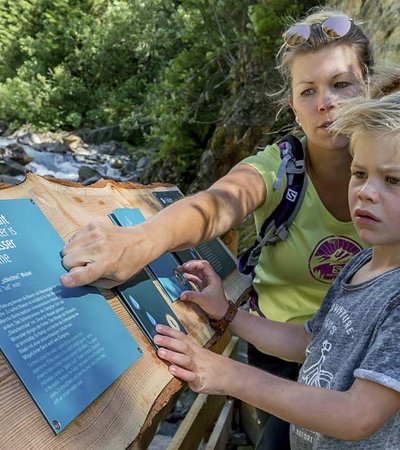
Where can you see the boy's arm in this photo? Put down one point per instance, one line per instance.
(351, 415)
(287, 341)
(111, 254)
(284, 340)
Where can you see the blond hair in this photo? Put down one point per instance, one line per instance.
(385, 81)
(369, 117)
(355, 38)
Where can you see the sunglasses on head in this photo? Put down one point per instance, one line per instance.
(334, 27)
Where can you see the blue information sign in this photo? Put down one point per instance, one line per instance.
(213, 251)
(66, 345)
(147, 306)
(163, 269)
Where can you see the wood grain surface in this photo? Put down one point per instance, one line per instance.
(122, 413)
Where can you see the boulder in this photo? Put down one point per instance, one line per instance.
(51, 147)
(86, 173)
(381, 21)
(16, 153)
(11, 168)
(73, 143)
(8, 180)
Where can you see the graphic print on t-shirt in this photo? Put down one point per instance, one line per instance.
(315, 375)
(329, 257)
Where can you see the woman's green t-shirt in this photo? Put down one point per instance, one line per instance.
(293, 276)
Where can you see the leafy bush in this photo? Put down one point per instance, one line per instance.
(167, 71)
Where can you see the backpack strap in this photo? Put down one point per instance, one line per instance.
(276, 226)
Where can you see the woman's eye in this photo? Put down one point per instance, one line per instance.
(307, 92)
(342, 84)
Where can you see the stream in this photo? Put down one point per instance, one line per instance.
(66, 165)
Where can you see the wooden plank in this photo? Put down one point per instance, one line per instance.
(122, 413)
(200, 418)
(220, 434)
(202, 415)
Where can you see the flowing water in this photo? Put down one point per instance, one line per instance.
(60, 165)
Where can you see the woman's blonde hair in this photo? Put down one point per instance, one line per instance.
(369, 117)
(355, 38)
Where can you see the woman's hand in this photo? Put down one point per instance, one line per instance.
(106, 255)
(211, 297)
(103, 255)
(202, 369)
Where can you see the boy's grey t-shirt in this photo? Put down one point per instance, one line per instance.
(355, 334)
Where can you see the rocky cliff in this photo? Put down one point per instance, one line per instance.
(381, 20)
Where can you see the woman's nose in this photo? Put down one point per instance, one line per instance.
(327, 101)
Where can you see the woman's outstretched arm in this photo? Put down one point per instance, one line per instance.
(106, 255)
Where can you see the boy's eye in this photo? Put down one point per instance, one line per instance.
(393, 180)
(359, 174)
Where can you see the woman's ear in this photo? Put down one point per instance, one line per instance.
(294, 112)
(290, 102)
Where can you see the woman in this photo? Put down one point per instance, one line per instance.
(348, 391)
(325, 59)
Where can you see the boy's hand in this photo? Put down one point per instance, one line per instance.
(211, 297)
(201, 368)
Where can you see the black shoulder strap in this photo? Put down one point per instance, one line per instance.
(276, 226)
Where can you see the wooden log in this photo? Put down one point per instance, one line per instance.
(119, 416)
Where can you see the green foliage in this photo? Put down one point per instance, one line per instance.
(167, 71)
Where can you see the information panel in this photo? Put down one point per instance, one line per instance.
(147, 306)
(60, 342)
(214, 252)
(164, 268)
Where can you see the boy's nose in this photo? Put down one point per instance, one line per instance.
(368, 192)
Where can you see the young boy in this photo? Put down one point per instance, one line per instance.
(348, 391)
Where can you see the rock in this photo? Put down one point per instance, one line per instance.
(134, 178)
(46, 141)
(100, 135)
(8, 180)
(160, 442)
(90, 159)
(87, 174)
(73, 142)
(168, 173)
(26, 138)
(110, 148)
(16, 153)
(228, 146)
(91, 180)
(128, 169)
(380, 20)
(9, 167)
(117, 163)
(51, 147)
